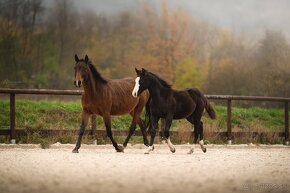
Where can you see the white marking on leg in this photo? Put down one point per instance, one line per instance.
(136, 87)
(170, 145)
(201, 143)
(150, 148)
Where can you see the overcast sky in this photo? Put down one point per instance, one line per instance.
(238, 15)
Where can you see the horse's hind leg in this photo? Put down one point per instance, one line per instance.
(198, 131)
(136, 119)
(131, 130)
(201, 143)
(168, 122)
(143, 131)
(85, 118)
(162, 130)
(195, 132)
(107, 121)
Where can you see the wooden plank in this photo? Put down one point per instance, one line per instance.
(41, 91)
(79, 92)
(124, 133)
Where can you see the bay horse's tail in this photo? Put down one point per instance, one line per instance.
(210, 110)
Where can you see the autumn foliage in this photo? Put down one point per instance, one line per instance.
(37, 46)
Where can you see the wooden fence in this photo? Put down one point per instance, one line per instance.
(229, 98)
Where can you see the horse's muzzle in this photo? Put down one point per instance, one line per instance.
(78, 83)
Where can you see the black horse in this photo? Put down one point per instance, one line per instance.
(172, 104)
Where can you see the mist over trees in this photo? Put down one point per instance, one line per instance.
(37, 48)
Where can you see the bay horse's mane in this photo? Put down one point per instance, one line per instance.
(162, 82)
(98, 77)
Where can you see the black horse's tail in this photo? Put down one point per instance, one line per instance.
(199, 97)
(210, 110)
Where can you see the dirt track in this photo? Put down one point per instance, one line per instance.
(27, 168)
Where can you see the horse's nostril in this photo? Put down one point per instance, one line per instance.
(77, 83)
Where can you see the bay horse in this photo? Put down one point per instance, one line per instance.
(106, 97)
(172, 104)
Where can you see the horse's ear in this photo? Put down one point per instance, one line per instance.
(76, 58)
(137, 71)
(144, 71)
(86, 59)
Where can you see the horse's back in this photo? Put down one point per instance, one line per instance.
(184, 104)
(196, 94)
(188, 100)
(123, 101)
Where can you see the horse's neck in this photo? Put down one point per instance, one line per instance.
(158, 92)
(91, 88)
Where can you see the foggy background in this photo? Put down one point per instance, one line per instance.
(222, 47)
(243, 16)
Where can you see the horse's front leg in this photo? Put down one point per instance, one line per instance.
(107, 121)
(153, 125)
(85, 118)
(168, 122)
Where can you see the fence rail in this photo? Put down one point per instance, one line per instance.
(94, 132)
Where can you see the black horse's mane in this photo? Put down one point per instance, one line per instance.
(98, 77)
(162, 82)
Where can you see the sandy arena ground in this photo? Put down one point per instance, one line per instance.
(236, 168)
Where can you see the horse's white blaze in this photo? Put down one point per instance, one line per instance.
(136, 87)
(170, 145)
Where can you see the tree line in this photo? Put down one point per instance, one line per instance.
(37, 47)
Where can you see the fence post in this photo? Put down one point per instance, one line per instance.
(12, 118)
(286, 123)
(94, 126)
(229, 121)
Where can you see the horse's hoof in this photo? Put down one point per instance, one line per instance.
(146, 143)
(150, 148)
(120, 149)
(75, 151)
(204, 150)
(172, 150)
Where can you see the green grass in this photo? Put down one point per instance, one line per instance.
(35, 115)
(246, 118)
